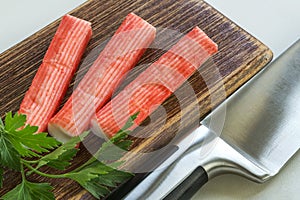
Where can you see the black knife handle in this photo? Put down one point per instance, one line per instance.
(187, 188)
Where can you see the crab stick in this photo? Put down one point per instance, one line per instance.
(56, 71)
(155, 84)
(97, 86)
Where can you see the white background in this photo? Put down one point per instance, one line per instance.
(274, 22)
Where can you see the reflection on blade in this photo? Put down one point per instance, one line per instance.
(263, 118)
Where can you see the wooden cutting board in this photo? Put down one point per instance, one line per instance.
(240, 56)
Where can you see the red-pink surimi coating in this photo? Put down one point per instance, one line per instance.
(56, 71)
(156, 83)
(96, 88)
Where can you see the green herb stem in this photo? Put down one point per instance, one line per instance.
(23, 172)
(30, 161)
(44, 174)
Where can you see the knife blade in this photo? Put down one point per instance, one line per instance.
(260, 134)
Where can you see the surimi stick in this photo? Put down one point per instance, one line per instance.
(96, 88)
(156, 83)
(56, 71)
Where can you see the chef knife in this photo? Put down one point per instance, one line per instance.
(260, 134)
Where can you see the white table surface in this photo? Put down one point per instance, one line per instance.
(274, 22)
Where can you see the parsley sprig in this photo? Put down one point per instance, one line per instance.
(22, 148)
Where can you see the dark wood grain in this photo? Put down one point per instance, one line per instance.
(240, 57)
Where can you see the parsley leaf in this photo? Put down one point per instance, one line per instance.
(89, 172)
(118, 145)
(25, 140)
(60, 158)
(30, 191)
(61, 161)
(98, 187)
(130, 121)
(112, 178)
(97, 177)
(113, 151)
(99, 184)
(15, 122)
(18, 141)
(9, 157)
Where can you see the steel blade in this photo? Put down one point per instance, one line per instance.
(263, 117)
